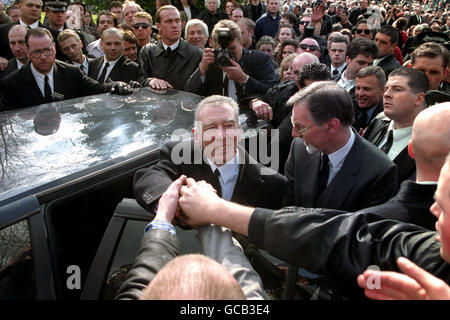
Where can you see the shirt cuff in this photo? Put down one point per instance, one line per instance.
(161, 225)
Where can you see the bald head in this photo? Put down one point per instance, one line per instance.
(304, 58)
(431, 141)
(193, 277)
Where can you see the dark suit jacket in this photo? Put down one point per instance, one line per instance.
(20, 89)
(175, 69)
(12, 66)
(256, 64)
(252, 188)
(158, 247)
(124, 70)
(389, 64)
(367, 178)
(5, 50)
(375, 133)
(410, 205)
(413, 20)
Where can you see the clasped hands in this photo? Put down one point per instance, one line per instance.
(190, 202)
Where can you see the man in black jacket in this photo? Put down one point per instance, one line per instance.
(113, 65)
(387, 39)
(339, 244)
(170, 62)
(404, 99)
(46, 79)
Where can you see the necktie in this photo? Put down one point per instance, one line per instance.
(82, 68)
(225, 86)
(47, 90)
(103, 75)
(363, 118)
(216, 183)
(335, 72)
(324, 173)
(168, 51)
(387, 146)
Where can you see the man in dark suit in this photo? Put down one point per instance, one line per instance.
(16, 38)
(214, 156)
(370, 82)
(386, 40)
(30, 14)
(46, 79)
(331, 166)
(113, 65)
(416, 18)
(170, 62)
(248, 73)
(403, 100)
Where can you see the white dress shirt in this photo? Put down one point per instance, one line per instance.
(345, 83)
(112, 63)
(31, 26)
(40, 79)
(229, 173)
(400, 140)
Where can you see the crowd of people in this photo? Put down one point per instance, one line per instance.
(356, 95)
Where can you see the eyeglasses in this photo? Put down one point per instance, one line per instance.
(299, 131)
(311, 47)
(143, 25)
(37, 53)
(359, 31)
(304, 22)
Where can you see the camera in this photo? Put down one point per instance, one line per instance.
(224, 55)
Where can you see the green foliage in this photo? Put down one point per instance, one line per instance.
(147, 5)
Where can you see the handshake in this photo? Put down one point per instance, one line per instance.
(190, 202)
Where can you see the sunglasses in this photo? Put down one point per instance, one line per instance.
(311, 47)
(143, 25)
(359, 31)
(304, 22)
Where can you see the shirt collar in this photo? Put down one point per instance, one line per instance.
(112, 62)
(337, 157)
(32, 26)
(339, 69)
(400, 133)
(173, 47)
(228, 170)
(40, 76)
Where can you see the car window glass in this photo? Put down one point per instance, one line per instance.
(17, 279)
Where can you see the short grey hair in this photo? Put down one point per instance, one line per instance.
(196, 22)
(216, 100)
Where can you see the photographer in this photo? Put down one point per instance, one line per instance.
(230, 69)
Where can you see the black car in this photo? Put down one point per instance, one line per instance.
(65, 178)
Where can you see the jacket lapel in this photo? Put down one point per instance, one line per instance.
(34, 92)
(249, 184)
(340, 187)
(306, 183)
(115, 72)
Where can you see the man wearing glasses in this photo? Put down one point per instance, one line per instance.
(46, 79)
(142, 28)
(309, 45)
(331, 166)
(364, 30)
